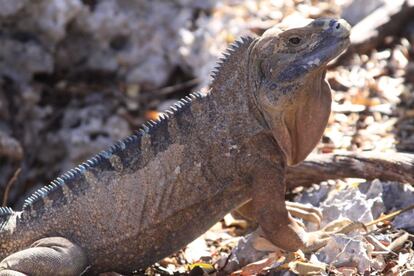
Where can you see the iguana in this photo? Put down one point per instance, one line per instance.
(158, 189)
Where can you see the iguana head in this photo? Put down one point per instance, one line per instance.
(288, 70)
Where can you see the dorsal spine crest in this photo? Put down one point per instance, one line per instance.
(95, 161)
(231, 51)
(5, 211)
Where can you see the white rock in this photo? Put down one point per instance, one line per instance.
(350, 251)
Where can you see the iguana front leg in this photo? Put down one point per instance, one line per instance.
(268, 199)
(47, 256)
(269, 208)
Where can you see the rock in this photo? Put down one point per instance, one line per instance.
(245, 252)
(9, 8)
(387, 19)
(396, 197)
(353, 204)
(136, 41)
(87, 130)
(21, 60)
(314, 195)
(357, 10)
(348, 251)
(364, 203)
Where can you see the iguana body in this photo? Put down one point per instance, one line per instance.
(157, 190)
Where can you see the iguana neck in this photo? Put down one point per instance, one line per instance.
(230, 77)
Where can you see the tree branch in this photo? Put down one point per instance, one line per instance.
(393, 166)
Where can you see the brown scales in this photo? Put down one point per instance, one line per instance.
(100, 161)
(155, 191)
(221, 71)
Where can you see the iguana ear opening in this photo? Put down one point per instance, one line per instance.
(304, 123)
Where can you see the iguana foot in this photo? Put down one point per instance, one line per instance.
(313, 241)
(305, 212)
(48, 256)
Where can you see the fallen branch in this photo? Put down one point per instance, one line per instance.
(390, 216)
(10, 147)
(8, 186)
(368, 165)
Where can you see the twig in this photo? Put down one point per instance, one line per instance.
(8, 186)
(171, 89)
(393, 166)
(389, 216)
(398, 242)
(355, 225)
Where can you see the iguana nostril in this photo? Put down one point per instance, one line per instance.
(341, 28)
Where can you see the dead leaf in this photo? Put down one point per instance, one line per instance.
(305, 268)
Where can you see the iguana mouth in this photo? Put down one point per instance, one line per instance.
(324, 53)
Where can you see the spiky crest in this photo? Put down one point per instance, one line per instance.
(5, 213)
(232, 54)
(35, 201)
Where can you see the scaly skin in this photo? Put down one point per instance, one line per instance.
(157, 190)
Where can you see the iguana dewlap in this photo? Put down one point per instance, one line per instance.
(157, 190)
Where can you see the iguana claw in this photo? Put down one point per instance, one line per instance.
(305, 212)
(315, 240)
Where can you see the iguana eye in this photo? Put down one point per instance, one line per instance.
(294, 40)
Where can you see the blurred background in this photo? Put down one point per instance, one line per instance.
(77, 75)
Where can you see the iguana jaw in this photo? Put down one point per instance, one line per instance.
(292, 94)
